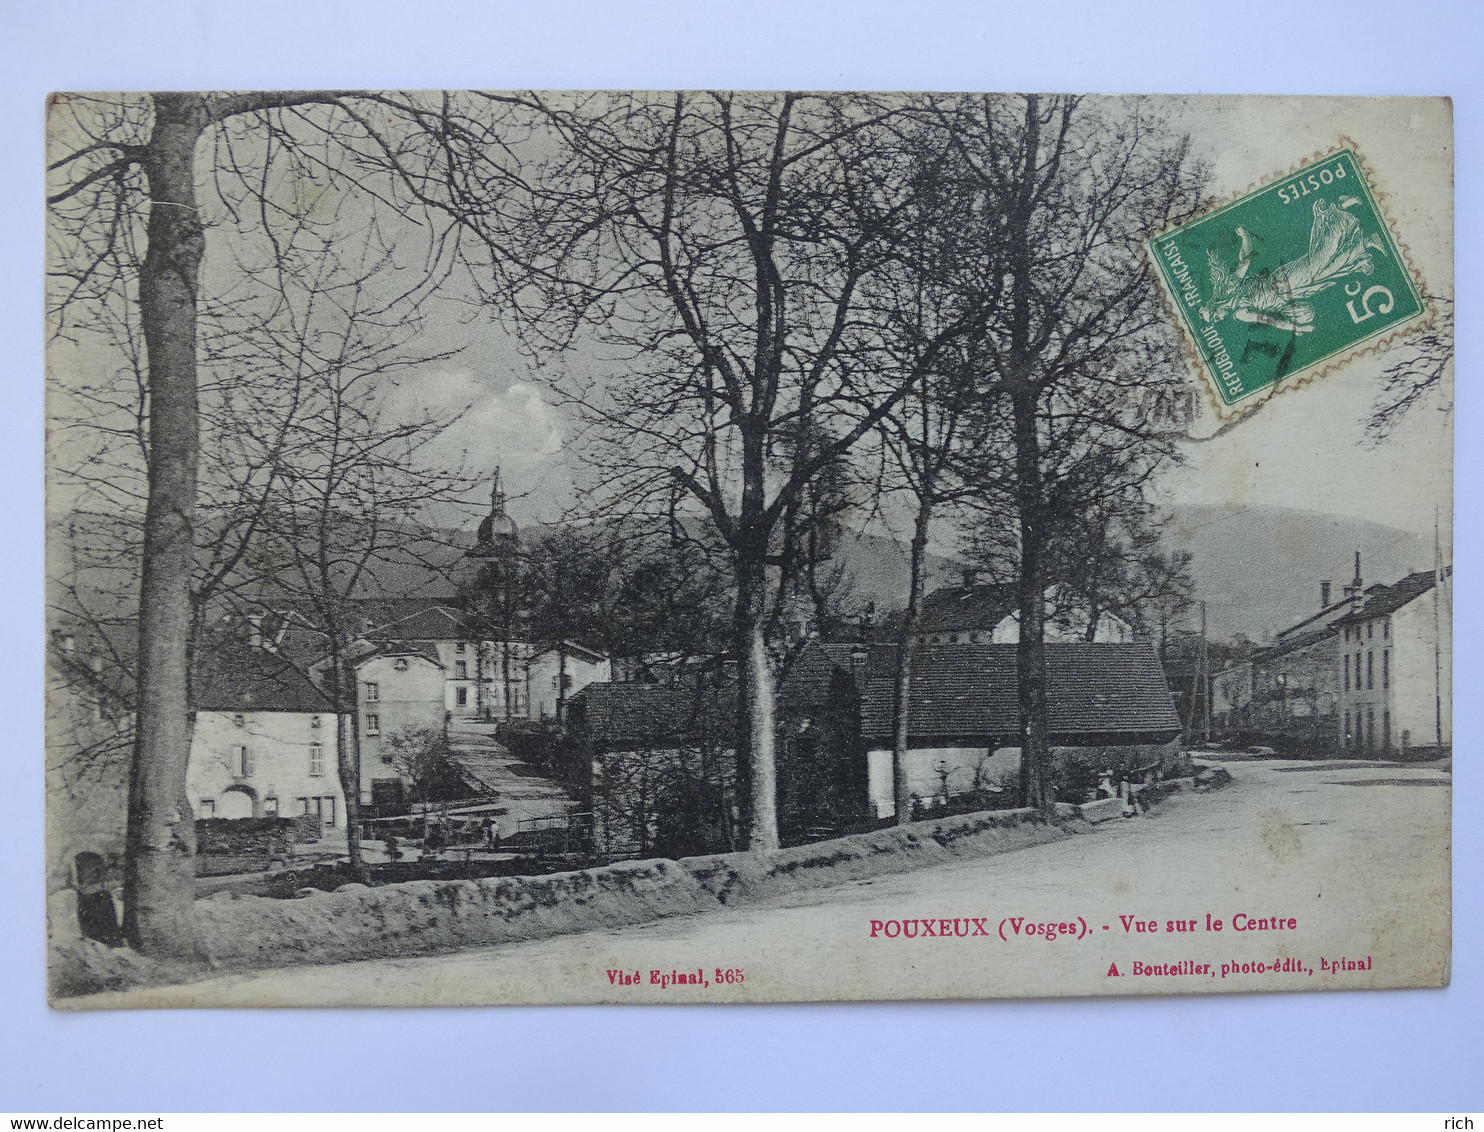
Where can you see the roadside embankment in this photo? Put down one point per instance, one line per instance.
(421, 917)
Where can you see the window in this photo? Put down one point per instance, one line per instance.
(373, 692)
(1370, 630)
(244, 762)
(314, 722)
(400, 664)
(1386, 669)
(270, 807)
(1370, 728)
(1386, 629)
(1370, 670)
(316, 759)
(1347, 675)
(459, 648)
(207, 808)
(304, 806)
(461, 670)
(239, 721)
(326, 808)
(373, 725)
(1386, 730)
(461, 696)
(1345, 739)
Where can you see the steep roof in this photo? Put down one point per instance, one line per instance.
(1381, 600)
(626, 716)
(952, 608)
(968, 692)
(430, 623)
(806, 684)
(239, 678)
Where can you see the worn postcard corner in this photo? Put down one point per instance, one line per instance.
(612, 546)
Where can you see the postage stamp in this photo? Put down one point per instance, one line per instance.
(1288, 280)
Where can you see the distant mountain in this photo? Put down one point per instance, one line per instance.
(1258, 568)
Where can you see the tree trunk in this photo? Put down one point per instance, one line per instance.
(757, 785)
(561, 700)
(348, 757)
(901, 698)
(160, 844)
(1037, 789)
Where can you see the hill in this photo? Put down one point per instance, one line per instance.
(1259, 568)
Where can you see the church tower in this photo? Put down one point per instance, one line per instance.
(498, 537)
(495, 603)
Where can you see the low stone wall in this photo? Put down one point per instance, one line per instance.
(419, 917)
(739, 878)
(357, 922)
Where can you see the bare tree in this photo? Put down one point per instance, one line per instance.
(356, 504)
(713, 248)
(1067, 189)
(132, 203)
(1417, 375)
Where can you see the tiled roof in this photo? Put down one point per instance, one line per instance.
(806, 684)
(967, 692)
(628, 716)
(431, 623)
(239, 678)
(966, 607)
(1381, 600)
(1294, 644)
(422, 649)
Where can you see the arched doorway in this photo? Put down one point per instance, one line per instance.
(238, 802)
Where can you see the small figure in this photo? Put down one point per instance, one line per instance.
(393, 851)
(433, 842)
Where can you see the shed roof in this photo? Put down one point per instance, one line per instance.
(968, 692)
(626, 716)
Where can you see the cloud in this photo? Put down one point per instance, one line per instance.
(514, 425)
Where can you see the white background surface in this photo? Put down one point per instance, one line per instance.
(1366, 1051)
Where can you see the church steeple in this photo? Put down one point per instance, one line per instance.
(497, 497)
(498, 536)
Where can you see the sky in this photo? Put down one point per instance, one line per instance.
(1307, 449)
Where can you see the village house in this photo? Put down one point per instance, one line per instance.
(1107, 703)
(1396, 673)
(264, 738)
(988, 613)
(1368, 673)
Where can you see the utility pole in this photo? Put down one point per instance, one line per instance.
(1437, 631)
(1203, 660)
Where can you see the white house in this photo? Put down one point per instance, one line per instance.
(559, 673)
(1396, 672)
(264, 740)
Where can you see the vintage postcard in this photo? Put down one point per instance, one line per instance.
(693, 547)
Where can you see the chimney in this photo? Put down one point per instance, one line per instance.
(858, 656)
(1323, 595)
(1356, 586)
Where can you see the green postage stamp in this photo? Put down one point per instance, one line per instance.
(1288, 279)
